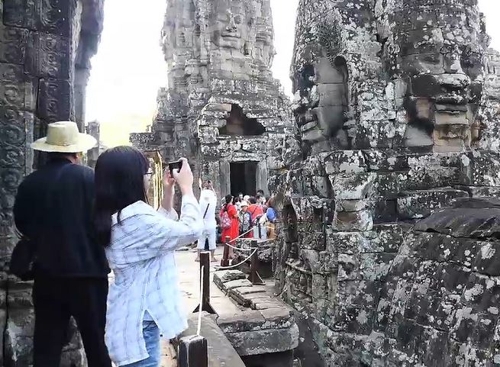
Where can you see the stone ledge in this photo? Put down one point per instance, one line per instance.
(254, 320)
(244, 295)
(267, 325)
(222, 277)
(265, 341)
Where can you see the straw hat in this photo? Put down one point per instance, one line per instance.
(64, 137)
(243, 203)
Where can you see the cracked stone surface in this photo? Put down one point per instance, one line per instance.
(264, 326)
(222, 104)
(45, 52)
(397, 107)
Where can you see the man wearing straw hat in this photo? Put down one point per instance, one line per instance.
(53, 211)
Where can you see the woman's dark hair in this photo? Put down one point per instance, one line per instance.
(228, 199)
(119, 182)
(252, 200)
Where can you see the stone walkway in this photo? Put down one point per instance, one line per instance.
(189, 284)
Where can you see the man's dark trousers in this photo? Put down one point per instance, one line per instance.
(56, 300)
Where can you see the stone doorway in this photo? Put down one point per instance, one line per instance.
(243, 178)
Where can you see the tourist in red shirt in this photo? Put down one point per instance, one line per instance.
(229, 222)
(256, 210)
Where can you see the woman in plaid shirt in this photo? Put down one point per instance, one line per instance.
(144, 300)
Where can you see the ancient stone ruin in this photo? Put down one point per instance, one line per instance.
(45, 51)
(397, 106)
(388, 243)
(222, 108)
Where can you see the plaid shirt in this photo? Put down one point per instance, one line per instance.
(141, 255)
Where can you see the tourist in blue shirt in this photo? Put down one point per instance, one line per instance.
(271, 216)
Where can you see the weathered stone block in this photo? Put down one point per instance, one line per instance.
(353, 187)
(277, 317)
(385, 160)
(439, 170)
(384, 210)
(375, 266)
(420, 204)
(387, 185)
(53, 16)
(353, 221)
(54, 100)
(225, 276)
(13, 44)
(264, 304)
(346, 242)
(481, 191)
(236, 284)
(345, 161)
(265, 341)
(310, 237)
(244, 321)
(243, 295)
(48, 56)
(483, 168)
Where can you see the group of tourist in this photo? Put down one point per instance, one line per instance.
(240, 216)
(75, 224)
(247, 217)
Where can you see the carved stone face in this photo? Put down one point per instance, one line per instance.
(229, 26)
(243, 27)
(440, 57)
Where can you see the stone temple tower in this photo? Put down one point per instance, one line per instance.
(221, 108)
(397, 106)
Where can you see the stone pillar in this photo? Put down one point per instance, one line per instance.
(39, 40)
(93, 128)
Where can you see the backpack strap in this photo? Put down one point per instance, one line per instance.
(206, 210)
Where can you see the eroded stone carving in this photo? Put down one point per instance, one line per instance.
(222, 105)
(419, 131)
(441, 62)
(42, 44)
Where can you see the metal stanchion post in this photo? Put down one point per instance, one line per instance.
(205, 278)
(254, 276)
(225, 256)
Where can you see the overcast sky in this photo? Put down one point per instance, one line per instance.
(129, 67)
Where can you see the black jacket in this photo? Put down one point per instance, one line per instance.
(53, 209)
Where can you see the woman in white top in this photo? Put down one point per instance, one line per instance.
(144, 300)
(208, 202)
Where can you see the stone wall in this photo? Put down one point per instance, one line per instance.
(397, 106)
(222, 104)
(45, 51)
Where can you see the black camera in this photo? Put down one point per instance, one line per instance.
(174, 165)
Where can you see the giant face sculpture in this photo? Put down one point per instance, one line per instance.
(240, 30)
(439, 55)
(321, 85)
(229, 30)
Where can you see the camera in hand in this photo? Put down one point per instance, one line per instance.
(175, 165)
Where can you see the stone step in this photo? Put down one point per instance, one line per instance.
(221, 277)
(244, 295)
